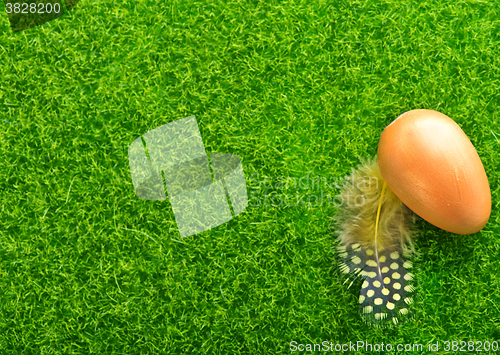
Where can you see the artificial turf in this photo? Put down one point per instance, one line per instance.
(295, 89)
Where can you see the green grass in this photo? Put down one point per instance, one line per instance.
(291, 87)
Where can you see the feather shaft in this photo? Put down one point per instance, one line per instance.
(376, 226)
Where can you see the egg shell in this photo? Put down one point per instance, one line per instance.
(431, 165)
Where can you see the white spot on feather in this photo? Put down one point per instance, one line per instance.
(408, 276)
(407, 265)
(379, 316)
(394, 255)
(356, 260)
(371, 263)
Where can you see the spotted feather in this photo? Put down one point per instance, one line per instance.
(375, 245)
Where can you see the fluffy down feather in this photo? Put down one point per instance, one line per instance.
(375, 242)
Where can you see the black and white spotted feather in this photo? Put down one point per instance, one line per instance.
(375, 244)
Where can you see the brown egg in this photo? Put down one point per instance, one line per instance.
(431, 165)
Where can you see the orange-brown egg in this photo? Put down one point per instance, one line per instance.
(431, 165)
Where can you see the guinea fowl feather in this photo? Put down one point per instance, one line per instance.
(375, 242)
